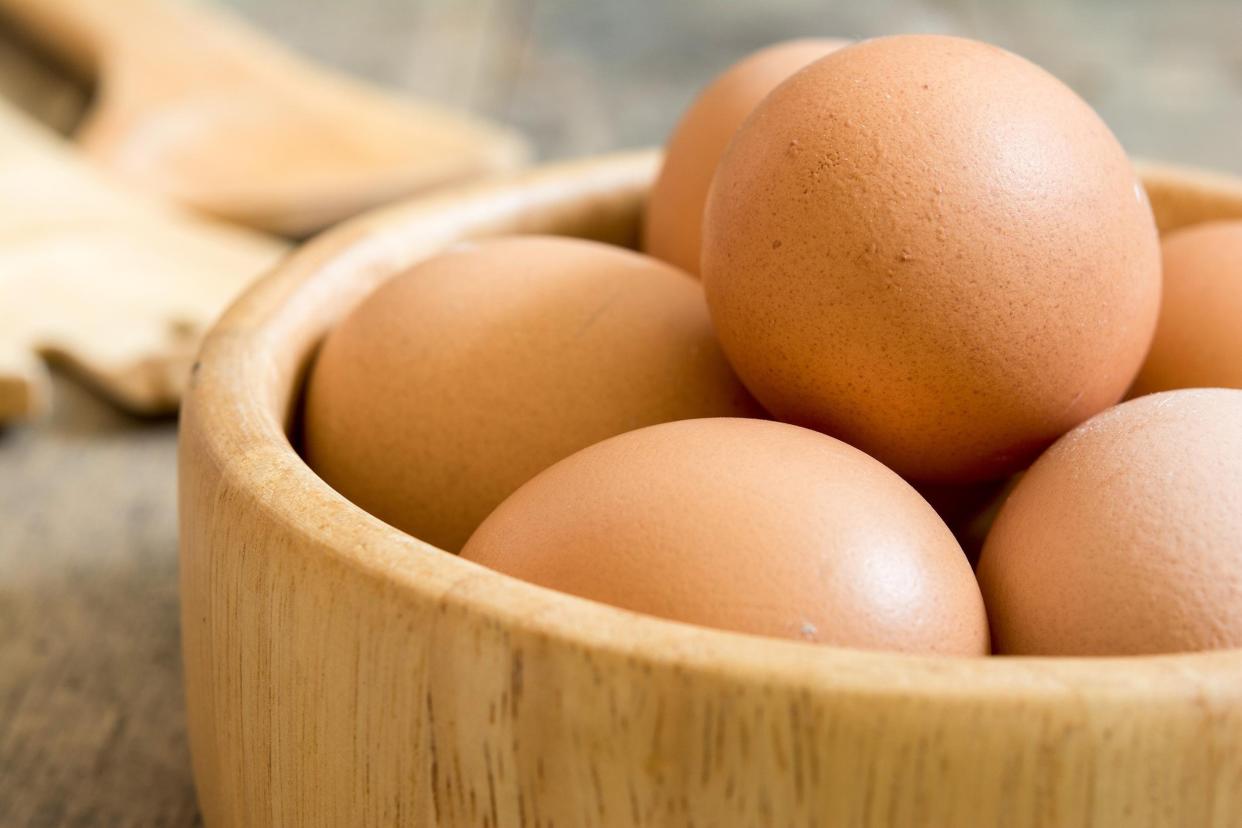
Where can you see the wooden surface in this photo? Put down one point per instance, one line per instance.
(114, 285)
(193, 105)
(90, 676)
(91, 716)
(341, 672)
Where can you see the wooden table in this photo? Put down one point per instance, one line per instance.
(91, 728)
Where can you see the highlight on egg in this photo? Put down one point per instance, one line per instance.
(1126, 536)
(744, 525)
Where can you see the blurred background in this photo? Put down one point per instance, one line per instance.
(91, 729)
(583, 77)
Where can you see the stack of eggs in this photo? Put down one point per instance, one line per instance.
(908, 269)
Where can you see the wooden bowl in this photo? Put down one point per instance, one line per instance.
(340, 672)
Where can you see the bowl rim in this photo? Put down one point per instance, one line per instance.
(245, 387)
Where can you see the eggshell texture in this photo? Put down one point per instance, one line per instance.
(1198, 340)
(934, 250)
(458, 381)
(1126, 536)
(744, 525)
(673, 221)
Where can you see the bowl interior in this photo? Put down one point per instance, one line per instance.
(255, 364)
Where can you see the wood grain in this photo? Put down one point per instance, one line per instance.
(91, 711)
(87, 533)
(339, 671)
(194, 106)
(117, 287)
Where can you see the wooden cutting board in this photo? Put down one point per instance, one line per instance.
(117, 288)
(192, 104)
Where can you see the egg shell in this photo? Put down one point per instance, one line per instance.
(1126, 536)
(456, 382)
(1198, 342)
(673, 220)
(745, 525)
(934, 250)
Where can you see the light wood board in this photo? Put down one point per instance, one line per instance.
(117, 288)
(193, 105)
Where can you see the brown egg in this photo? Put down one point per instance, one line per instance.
(745, 525)
(455, 383)
(673, 222)
(1198, 340)
(932, 249)
(1126, 536)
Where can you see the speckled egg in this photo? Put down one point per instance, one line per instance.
(459, 380)
(745, 525)
(934, 250)
(1126, 536)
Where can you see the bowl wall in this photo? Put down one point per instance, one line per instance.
(339, 672)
